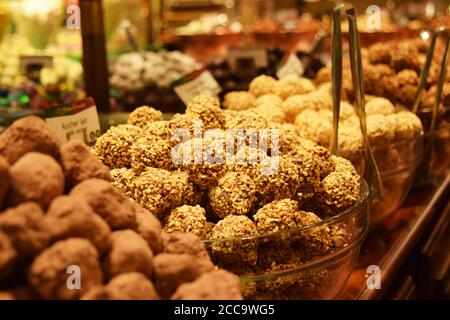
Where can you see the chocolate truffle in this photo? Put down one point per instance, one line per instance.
(149, 228)
(35, 177)
(187, 219)
(262, 85)
(50, 272)
(26, 135)
(292, 85)
(8, 256)
(144, 115)
(4, 178)
(108, 202)
(184, 243)
(131, 286)
(208, 110)
(151, 151)
(239, 100)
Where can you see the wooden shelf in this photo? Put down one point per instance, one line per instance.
(392, 244)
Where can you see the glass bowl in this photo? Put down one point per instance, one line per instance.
(312, 262)
(397, 163)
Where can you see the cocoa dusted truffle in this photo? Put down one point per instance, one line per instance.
(214, 285)
(4, 178)
(26, 227)
(150, 151)
(144, 115)
(208, 110)
(184, 243)
(187, 219)
(125, 286)
(35, 177)
(26, 135)
(149, 228)
(172, 270)
(235, 226)
(234, 194)
(114, 147)
(262, 85)
(8, 256)
(49, 274)
(79, 164)
(129, 253)
(69, 217)
(239, 100)
(107, 202)
(293, 85)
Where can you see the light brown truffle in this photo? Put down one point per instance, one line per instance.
(151, 151)
(262, 85)
(149, 228)
(187, 219)
(405, 125)
(214, 285)
(4, 178)
(379, 130)
(208, 110)
(69, 217)
(271, 113)
(379, 105)
(108, 202)
(8, 256)
(158, 191)
(26, 135)
(129, 253)
(26, 227)
(238, 251)
(184, 243)
(234, 194)
(114, 147)
(158, 129)
(35, 177)
(172, 270)
(277, 216)
(185, 127)
(144, 115)
(269, 99)
(239, 100)
(314, 126)
(123, 179)
(50, 271)
(293, 85)
(79, 164)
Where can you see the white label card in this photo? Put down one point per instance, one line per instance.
(202, 84)
(83, 125)
(292, 66)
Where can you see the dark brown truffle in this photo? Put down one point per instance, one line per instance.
(8, 256)
(171, 270)
(215, 285)
(79, 164)
(35, 177)
(149, 227)
(72, 217)
(26, 135)
(27, 229)
(49, 273)
(4, 178)
(184, 243)
(107, 202)
(129, 253)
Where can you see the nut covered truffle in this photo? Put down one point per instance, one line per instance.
(144, 115)
(262, 85)
(187, 219)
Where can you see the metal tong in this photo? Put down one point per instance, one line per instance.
(426, 163)
(371, 173)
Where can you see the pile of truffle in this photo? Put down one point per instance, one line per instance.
(67, 233)
(309, 113)
(225, 202)
(392, 70)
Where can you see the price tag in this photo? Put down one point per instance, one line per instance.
(291, 65)
(78, 120)
(200, 82)
(42, 61)
(258, 55)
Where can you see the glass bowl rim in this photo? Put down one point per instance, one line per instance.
(364, 197)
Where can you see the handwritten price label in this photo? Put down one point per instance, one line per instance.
(200, 82)
(75, 121)
(292, 66)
